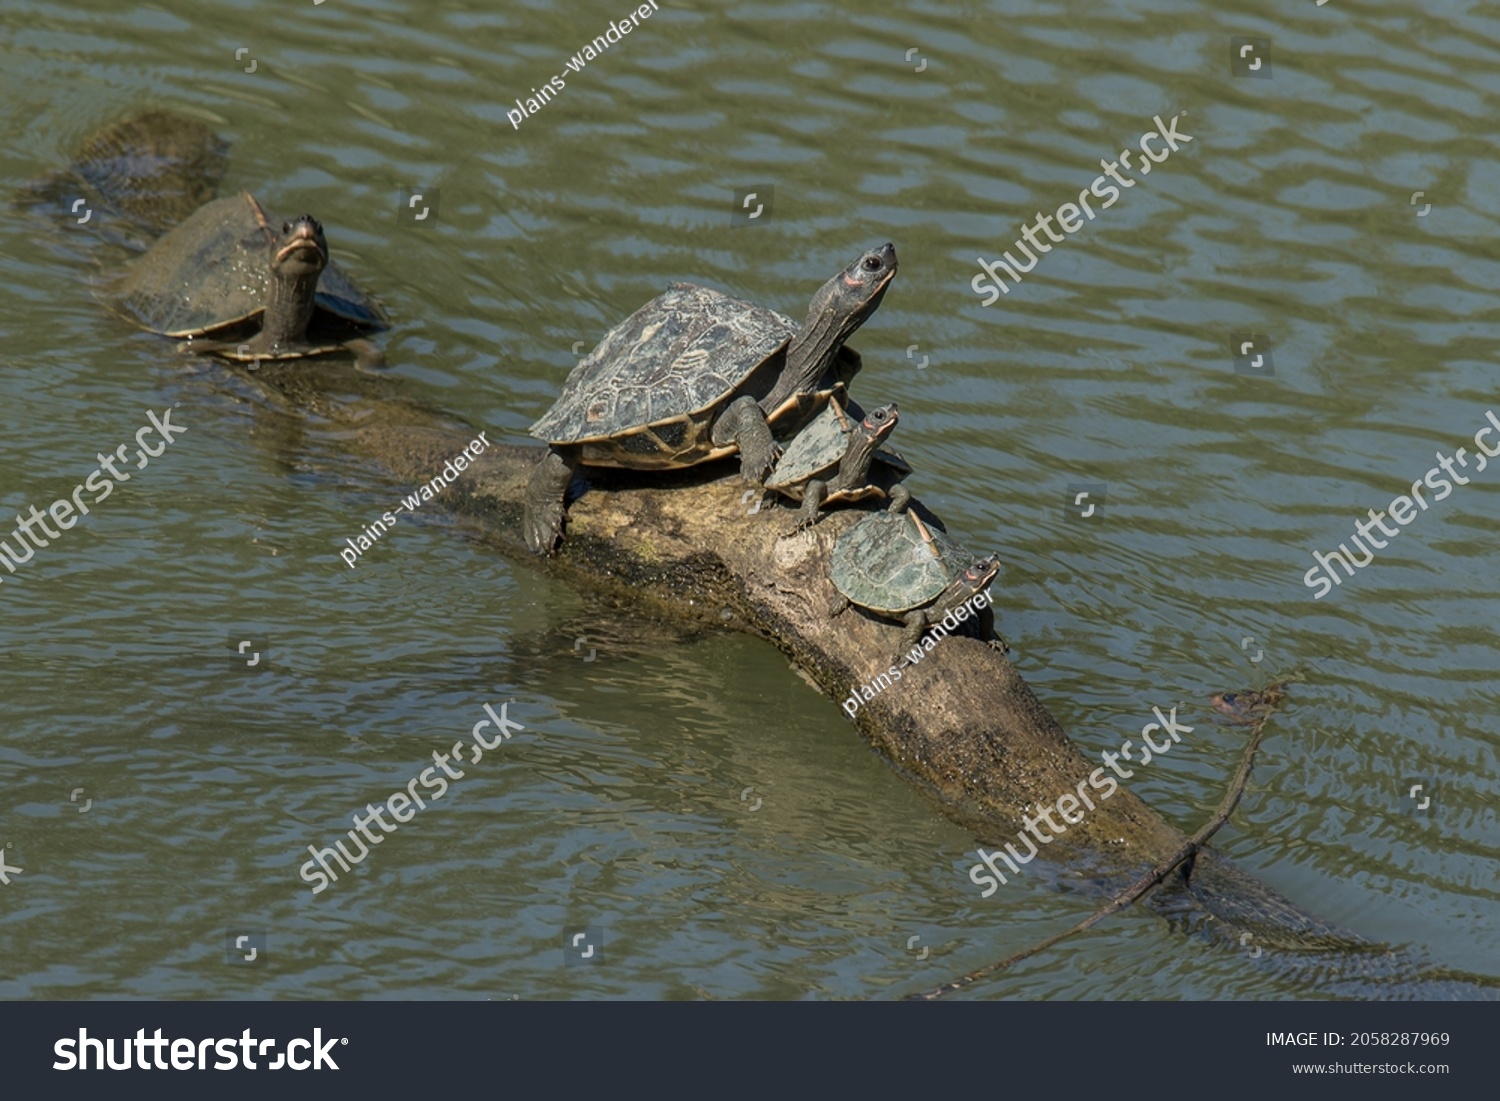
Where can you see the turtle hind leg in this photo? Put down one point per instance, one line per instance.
(900, 498)
(743, 424)
(546, 498)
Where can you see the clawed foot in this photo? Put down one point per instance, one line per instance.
(999, 643)
(367, 356)
(756, 473)
(543, 527)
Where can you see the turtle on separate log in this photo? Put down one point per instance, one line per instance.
(836, 459)
(897, 567)
(228, 275)
(694, 375)
(133, 180)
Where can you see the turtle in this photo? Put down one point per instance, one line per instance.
(228, 275)
(694, 375)
(836, 459)
(135, 179)
(897, 567)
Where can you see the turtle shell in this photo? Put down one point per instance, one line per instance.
(883, 563)
(213, 271)
(818, 449)
(645, 396)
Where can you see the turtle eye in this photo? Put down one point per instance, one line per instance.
(872, 263)
(286, 227)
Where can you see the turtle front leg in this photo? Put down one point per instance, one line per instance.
(251, 351)
(743, 424)
(546, 497)
(367, 357)
(900, 498)
(994, 638)
(246, 351)
(916, 625)
(812, 501)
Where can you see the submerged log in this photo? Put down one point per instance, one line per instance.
(962, 725)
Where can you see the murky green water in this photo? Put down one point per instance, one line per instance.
(691, 795)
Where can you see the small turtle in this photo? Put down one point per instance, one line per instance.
(898, 568)
(834, 459)
(228, 275)
(694, 375)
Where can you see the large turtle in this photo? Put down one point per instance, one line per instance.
(695, 375)
(837, 458)
(897, 567)
(233, 284)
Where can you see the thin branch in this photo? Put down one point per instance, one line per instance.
(1251, 709)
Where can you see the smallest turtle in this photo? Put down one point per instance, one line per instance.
(836, 459)
(898, 568)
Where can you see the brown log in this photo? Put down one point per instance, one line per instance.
(962, 726)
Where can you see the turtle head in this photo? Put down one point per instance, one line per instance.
(841, 306)
(846, 301)
(858, 289)
(981, 572)
(880, 423)
(864, 441)
(301, 249)
(297, 260)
